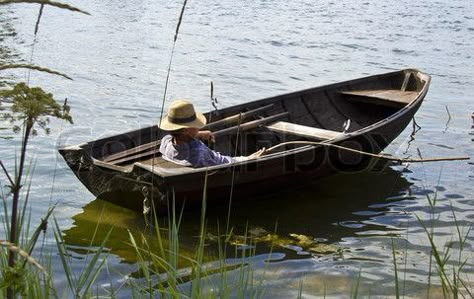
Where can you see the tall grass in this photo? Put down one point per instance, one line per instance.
(166, 273)
(449, 270)
(27, 109)
(27, 275)
(449, 266)
(80, 283)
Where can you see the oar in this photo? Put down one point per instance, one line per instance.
(250, 125)
(150, 148)
(225, 121)
(132, 150)
(235, 118)
(382, 156)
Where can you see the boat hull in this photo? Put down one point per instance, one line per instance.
(141, 187)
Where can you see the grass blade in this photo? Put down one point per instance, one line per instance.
(397, 287)
(33, 67)
(46, 2)
(93, 270)
(71, 280)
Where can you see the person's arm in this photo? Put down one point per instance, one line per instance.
(255, 155)
(206, 135)
(204, 156)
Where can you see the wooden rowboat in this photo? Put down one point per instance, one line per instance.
(365, 114)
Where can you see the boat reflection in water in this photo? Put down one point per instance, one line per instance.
(328, 209)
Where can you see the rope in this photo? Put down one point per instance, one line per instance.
(382, 156)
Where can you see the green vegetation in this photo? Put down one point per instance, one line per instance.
(449, 264)
(29, 107)
(450, 273)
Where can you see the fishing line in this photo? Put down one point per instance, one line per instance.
(233, 175)
(166, 88)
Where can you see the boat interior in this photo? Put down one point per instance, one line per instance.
(322, 114)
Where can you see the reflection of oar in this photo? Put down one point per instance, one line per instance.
(235, 118)
(381, 156)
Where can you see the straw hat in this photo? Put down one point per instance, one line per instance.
(181, 114)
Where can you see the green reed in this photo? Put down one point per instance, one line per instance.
(80, 283)
(450, 269)
(397, 285)
(46, 2)
(27, 275)
(450, 272)
(164, 274)
(355, 289)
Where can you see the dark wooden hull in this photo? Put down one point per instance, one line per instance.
(376, 122)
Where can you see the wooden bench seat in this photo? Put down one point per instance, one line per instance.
(303, 131)
(386, 97)
(162, 163)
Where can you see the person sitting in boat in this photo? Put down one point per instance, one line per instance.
(183, 144)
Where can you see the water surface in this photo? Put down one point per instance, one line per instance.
(118, 58)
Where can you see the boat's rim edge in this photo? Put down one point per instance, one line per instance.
(293, 93)
(422, 93)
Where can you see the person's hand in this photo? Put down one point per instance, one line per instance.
(257, 154)
(206, 135)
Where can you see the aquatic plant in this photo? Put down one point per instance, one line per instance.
(450, 268)
(45, 2)
(450, 272)
(33, 67)
(26, 108)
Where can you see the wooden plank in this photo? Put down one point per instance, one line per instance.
(124, 169)
(132, 151)
(303, 131)
(405, 81)
(162, 163)
(135, 157)
(379, 96)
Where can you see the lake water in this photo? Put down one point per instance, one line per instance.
(119, 56)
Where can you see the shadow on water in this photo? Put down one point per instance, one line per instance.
(321, 209)
(328, 209)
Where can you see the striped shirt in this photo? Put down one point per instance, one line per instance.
(193, 153)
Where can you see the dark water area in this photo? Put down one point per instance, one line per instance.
(118, 58)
